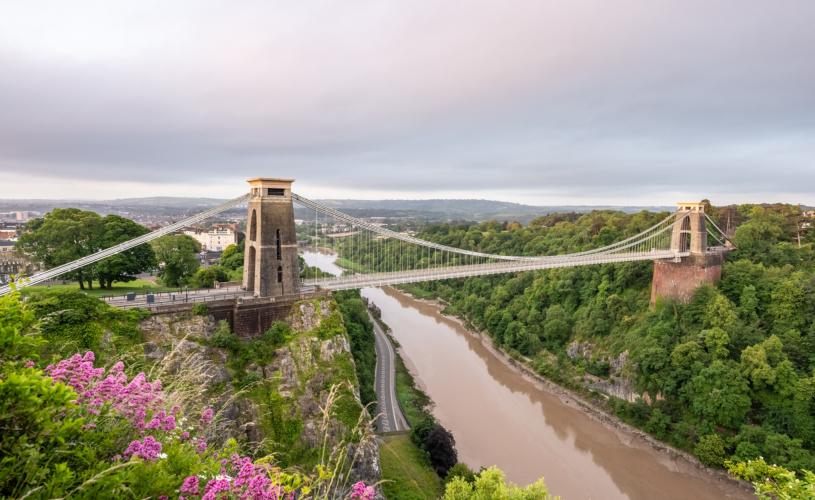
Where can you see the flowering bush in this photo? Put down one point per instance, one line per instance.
(75, 429)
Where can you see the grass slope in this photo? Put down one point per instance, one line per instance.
(405, 472)
(138, 286)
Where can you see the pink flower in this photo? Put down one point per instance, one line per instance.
(29, 364)
(132, 399)
(190, 486)
(214, 487)
(206, 416)
(148, 449)
(161, 421)
(363, 492)
(200, 444)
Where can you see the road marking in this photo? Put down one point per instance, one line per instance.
(390, 414)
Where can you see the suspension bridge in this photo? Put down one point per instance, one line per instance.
(379, 256)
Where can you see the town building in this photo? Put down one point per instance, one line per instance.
(215, 239)
(19, 215)
(8, 234)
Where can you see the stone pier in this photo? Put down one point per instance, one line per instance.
(679, 279)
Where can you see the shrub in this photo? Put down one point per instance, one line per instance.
(491, 483)
(200, 309)
(206, 277)
(224, 338)
(658, 423)
(420, 431)
(438, 443)
(441, 447)
(460, 470)
(711, 450)
(82, 431)
(771, 481)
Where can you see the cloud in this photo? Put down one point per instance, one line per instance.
(584, 101)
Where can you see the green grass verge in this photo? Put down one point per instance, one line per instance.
(417, 291)
(414, 402)
(138, 286)
(405, 472)
(350, 265)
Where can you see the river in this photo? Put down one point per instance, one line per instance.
(499, 417)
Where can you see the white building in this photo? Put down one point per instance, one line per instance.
(214, 240)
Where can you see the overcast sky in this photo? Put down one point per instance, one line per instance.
(535, 101)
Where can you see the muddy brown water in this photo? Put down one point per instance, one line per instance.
(499, 417)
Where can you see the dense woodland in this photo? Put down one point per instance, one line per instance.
(731, 375)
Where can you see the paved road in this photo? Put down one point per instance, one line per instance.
(390, 414)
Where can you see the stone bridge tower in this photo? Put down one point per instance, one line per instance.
(678, 279)
(270, 266)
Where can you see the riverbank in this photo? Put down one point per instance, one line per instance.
(592, 409)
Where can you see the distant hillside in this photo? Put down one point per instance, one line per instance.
(433, 210)
(440, 209)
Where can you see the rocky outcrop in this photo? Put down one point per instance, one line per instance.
(616, 384)
(303, 378)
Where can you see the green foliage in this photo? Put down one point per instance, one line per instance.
(177, 258)
(719, 394)
(406, 474)
(53, 445)
(126, 265)
(741, 353)
(711, 450)
(39, 422)
(460, 470)
(18, 341)
(330, 326)
(71, 321)
(232, 262)
(66, 234)
(232, 257)
(361, 336)
(200, 309)
(207, 276)
(491, 484)
(415, 404)
(772, 482)
(441, 449)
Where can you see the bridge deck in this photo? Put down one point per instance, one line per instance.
(414, 276)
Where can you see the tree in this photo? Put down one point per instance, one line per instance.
(755, 238)
(556, 329)
(232, 257)
(62, 236)
(206, 277)
(719, 394)
(123, 266)
(441, 446)
(716, 341)
(438, 442)
(711, 450)
(66, 234)
(177, 258)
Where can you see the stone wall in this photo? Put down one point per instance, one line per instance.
(679, 280)
(248, 317)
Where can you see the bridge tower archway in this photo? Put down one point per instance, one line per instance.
(678, 279)
(271, 267)
(689, 232)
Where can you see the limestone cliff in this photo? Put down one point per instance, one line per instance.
(292, 392)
